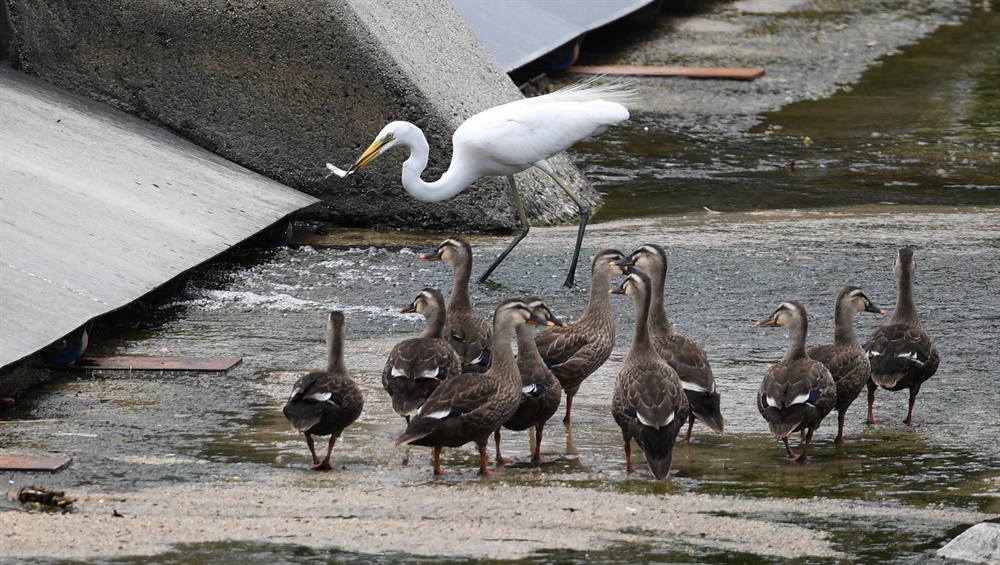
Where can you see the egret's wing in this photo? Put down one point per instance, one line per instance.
(519, 135)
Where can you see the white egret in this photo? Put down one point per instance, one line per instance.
(505, 140)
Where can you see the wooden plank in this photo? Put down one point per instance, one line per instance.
(690, 72)
(215, 364)
(29, 463)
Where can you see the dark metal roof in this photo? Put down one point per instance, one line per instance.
(519, 31)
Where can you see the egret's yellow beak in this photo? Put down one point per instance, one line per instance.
(369, 155)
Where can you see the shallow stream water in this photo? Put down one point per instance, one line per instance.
(871, 180)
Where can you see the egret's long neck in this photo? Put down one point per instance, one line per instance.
(453, 181)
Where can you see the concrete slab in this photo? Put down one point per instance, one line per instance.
(97, 208)
(283, 88)
(978, 544)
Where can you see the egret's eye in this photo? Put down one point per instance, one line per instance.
(389, 137)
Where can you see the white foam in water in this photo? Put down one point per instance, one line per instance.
(219, 299)
(336, 263)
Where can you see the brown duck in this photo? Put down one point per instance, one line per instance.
(574, 352)
(471, 406)
(845, 358)
(325, 402)
(540, 390)
(469, 334)
(417, 366)
(797, 392)
(649, 403)
(681, 352)
(901, 353)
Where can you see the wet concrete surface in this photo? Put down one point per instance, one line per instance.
(207, 461)
(199, 440)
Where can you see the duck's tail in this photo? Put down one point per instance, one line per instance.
(410, 436)
(660, 467)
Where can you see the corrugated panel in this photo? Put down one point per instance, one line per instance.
(519, 31)
(97, 208)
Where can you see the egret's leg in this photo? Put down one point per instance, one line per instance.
(584, 217)
(522, 218)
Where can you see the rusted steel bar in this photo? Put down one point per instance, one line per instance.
(216, 364)
(690, 72)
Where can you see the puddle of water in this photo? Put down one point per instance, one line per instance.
(275, 554)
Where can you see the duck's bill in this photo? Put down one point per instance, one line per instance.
(874, 309)
(431, 256)
(770, 322)
(624, 262)
(540, 321)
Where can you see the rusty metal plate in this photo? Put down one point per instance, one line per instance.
(29, 463)
(157, 363)
(689, 72)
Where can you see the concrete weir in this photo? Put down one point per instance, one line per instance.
(98, 208)
(284, 87)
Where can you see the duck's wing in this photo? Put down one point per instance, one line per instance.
(690, 362)
(900, 348)
(421, 358)
(313, 394)
(450, 407)
(840, 361)
(415, 368)
(795, 394)
(651, 395)
(471, 337)
(572, 352)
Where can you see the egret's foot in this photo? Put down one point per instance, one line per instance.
(322, 466)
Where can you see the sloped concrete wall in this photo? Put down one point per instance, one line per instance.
(282, 87)
(99, 208)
